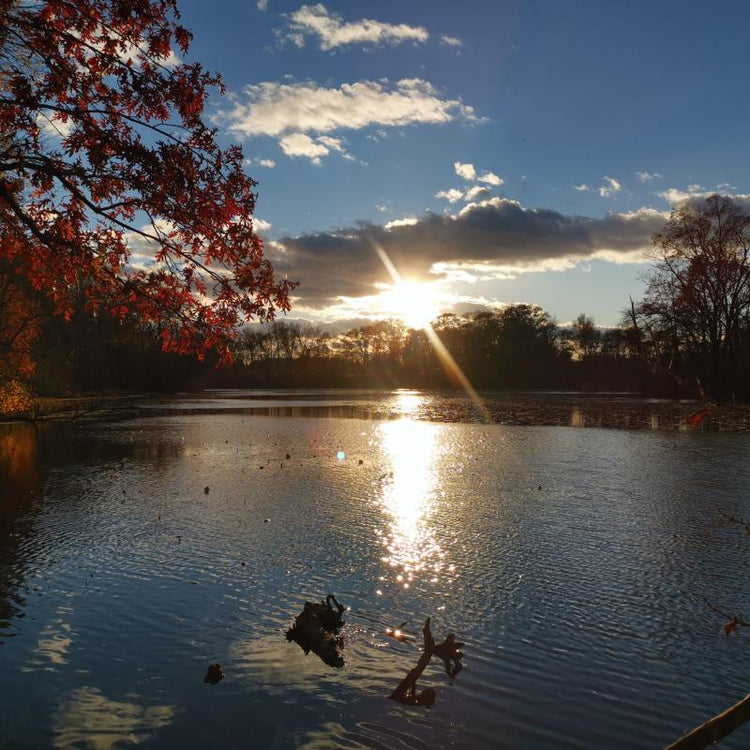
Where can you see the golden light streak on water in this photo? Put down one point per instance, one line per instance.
(414, 451)
(445, 357)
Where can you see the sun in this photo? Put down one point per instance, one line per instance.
(414, 303)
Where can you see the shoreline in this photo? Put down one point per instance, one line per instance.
(528, 408)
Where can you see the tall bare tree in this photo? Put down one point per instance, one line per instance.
(698, 295)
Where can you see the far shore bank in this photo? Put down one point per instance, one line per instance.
(527, 408)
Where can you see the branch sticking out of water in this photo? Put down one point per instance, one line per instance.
(448, 651)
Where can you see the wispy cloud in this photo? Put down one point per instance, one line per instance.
(332, 31)
(267, 163)
(451, 41)
(609, 187)
(582, 188)
(263, 5)
(287, 110)
(648, 176)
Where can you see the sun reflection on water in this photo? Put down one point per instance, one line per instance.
(409, 495)
(406, 402)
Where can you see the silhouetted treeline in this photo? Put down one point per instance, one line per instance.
(100, 353)
(518, 347)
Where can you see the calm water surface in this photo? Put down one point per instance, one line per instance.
(572, 562)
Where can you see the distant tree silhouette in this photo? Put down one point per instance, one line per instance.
(585, 336)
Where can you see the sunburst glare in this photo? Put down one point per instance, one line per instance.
(413, 303)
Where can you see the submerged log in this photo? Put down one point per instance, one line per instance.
(316, 629)
(715, 729)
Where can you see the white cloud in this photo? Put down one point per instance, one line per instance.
(452, 196)
(268, 163)
(332, 31)
(478, 191)
(466, 171)
(54, 127)
(490, 178)
(642, 214)
(132, 55)
(609, 187)
(260, 225)
(696, 194)
(334, 144)
(406, 221)
(301, 144)
(263, 5)
(282, 110)
(648, 176)
(725, 187)
(451, 41)
(582, 188)
(674, 195)
(135, 54)
(378, 135)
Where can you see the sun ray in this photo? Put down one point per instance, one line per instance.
(445, 357)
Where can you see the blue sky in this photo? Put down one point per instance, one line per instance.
(526, 151)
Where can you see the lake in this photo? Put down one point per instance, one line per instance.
(573, 563)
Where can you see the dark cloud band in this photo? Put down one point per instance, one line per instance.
(497, 232)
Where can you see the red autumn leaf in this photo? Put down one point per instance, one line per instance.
(697, 417)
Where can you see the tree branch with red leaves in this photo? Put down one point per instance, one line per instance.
(103, 153)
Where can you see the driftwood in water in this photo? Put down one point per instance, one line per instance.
(448, 651)
(316, 629)
(715, 729)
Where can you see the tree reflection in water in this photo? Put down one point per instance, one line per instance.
(19, 486)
